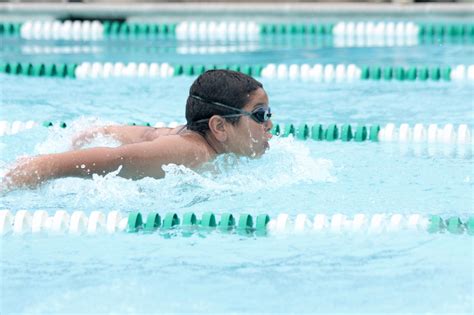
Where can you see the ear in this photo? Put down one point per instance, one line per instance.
(217, 126)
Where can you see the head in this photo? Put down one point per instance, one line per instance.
(226, 106)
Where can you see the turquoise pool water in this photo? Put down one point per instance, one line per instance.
(404, 272)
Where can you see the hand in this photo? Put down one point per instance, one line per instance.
(24, 173)
(79, 140)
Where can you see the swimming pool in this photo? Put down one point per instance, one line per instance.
(328, 266)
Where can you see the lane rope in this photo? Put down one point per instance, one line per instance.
(432, 134)
(97, 222)
(248, 30)
(305, 72)
(431, 140)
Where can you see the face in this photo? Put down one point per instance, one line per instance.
(248, 137)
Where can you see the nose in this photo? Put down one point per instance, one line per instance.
(268, 125)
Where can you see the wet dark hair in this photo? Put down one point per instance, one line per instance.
(223, 86)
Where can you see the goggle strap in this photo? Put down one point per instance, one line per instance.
(267, 114)
(216, 103)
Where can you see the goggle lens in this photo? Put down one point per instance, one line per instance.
(262, 115)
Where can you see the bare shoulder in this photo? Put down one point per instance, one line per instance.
(186, 144)
(187, 149)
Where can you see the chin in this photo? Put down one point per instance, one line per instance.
(255, 152)
(258, 154)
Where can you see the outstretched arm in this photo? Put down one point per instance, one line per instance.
(137, 160)
(33, 171)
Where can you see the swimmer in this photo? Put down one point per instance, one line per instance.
(226, 112)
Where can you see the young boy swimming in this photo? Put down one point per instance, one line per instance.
(226, 112)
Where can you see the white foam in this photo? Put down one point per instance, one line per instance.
(60, 139)
(288, 162)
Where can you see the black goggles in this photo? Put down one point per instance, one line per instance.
(259, 115)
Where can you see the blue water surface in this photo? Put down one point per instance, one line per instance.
(399, 272)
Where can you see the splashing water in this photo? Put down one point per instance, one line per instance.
(287, 163)
(60, 140)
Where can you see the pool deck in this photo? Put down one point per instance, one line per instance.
(202, 9)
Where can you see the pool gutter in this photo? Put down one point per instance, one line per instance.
(146, 10)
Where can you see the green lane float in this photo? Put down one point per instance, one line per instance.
(331, 133)
(189, 224)
(374, 133)
(261, 224)
(287, 130)
(436, 224)
(346, 133)
(455, 225)
(170, 221)
(48, 124)
(189, 219)
(470, 226)
(361, 134)
(302, 132)
(245, 224)
(208, 220)
(10, 28)
(52, 70)
(227, 222)
(23, 221)
(153, 222)
(317, 132)
(135, 222)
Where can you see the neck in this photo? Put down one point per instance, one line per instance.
(215, 145)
